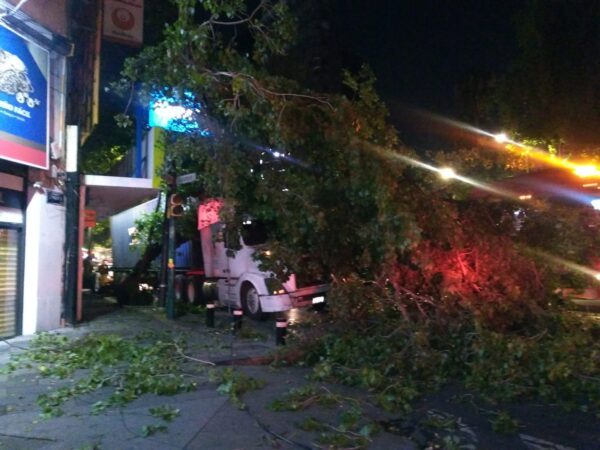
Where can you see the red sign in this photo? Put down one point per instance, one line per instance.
(89, 218)
(208, 213)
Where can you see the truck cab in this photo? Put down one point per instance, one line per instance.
(234, 279)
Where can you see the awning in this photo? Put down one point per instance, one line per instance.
(111, 195)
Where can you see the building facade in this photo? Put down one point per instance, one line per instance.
(34, 49)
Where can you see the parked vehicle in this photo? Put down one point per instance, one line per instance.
(209, 270)
(234, 278)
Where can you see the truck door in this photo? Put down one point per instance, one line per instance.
(220, 262)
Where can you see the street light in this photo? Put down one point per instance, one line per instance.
(501, 138)
(586, 171)
(447, 173)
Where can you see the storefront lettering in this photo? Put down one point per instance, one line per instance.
(16, 109)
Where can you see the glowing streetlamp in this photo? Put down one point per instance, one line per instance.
(447, 173)
(501, 138)
(586, 171)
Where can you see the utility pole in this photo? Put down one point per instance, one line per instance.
(171, 268)
(164, 253)
(174, 209)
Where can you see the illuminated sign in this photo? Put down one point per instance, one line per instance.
(171, 117)
(24, 69)
(170, 114)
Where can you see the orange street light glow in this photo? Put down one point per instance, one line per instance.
(582, 170)
(501, 138)
(506, 143)
(586, 171)
(445, 173)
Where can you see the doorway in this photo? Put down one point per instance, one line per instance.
(9, 280)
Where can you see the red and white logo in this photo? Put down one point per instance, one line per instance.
(124, 21)
(123, 18)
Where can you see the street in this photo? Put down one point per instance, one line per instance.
(208, 419)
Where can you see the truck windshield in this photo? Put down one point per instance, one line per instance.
(254, 233)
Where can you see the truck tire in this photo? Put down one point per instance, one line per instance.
(251, 302)
(180, 291)
(194, 290)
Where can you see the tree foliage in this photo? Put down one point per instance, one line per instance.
(549, 91)
(294, 158)
(328, 175)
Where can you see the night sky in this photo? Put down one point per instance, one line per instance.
(421, 50)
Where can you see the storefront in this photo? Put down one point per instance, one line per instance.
(11, 253)
(33, 53)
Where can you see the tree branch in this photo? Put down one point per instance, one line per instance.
(180, 351)
(260, 6)
(261, 90)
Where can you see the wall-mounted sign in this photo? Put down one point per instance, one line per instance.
(124, 21)
(24, 69)
(173, 117)
(187, 178)
(89, 218)
(174, 114)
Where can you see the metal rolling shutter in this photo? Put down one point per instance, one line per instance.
(9, 251)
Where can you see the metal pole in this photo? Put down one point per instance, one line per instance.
(164, 258)
(171, 270)
(210, 315)
(80, 222)
(281, 324)
(236, 321)
(71, 247)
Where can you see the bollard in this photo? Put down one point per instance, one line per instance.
(210, 315)
(280, 330)
(238, 314)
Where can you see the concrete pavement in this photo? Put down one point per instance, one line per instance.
(208, 420)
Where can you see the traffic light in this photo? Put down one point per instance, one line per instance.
(175, 205)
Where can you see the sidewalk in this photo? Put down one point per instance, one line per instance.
(208, 420)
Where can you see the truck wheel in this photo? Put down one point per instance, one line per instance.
(194, 291)
(251, 302)
(180, 291)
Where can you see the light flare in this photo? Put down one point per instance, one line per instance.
(506, 143)
(501, 138)
(586, 171)
(444, 172)
(569, 264)
(447, 173)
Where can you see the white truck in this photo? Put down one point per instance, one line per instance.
(212, 272)
(234, 278)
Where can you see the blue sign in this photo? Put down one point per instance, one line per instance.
(173, 114)
(24, 71)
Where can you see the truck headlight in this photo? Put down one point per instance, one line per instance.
(274, 286)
